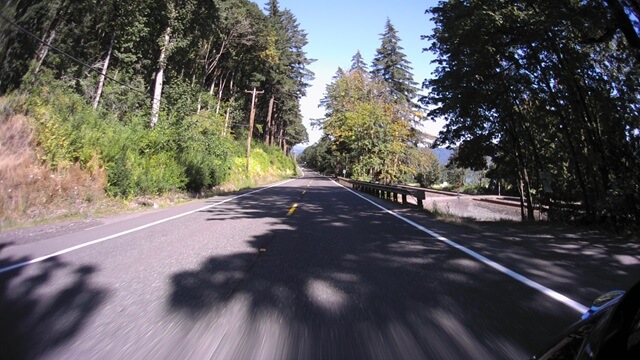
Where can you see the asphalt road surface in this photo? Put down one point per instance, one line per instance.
(303, 269)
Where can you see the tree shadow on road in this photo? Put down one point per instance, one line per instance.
(321, 290)
(34, 319)
(566, 259)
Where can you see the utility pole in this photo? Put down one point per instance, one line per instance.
(251, 119)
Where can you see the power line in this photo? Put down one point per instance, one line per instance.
(67, 55)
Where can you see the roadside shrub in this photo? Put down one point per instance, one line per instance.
(61, 128)
(278, 159)
(138, 164)
(138, 160)
(204, 153)
(157, 174)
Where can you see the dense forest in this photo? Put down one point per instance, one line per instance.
(179, 56)
(174, 78)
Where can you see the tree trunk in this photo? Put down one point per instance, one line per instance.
(527, 188)
(223, 82)
(226, 118)
(281, 140)
(44, 50)
(521, 192)
(103, 74)
(212, 88)
(50, 33)
(251, 122)
(268, 130)
(210, 67)
(572, 150)
(204, 76)
(162, 63)
(231, 101)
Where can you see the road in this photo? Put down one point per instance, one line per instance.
(303, 269)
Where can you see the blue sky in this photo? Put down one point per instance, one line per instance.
(337, 29)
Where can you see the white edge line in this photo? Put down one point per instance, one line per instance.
(93, 242)
(537, 286)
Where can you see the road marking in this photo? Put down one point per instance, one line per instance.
(293, 209)
(537, 286)
(304, 192)
(77, 247)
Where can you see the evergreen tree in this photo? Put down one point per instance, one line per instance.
(391, 65)
(358, 64)
(287, 78)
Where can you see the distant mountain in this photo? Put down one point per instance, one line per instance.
(443, 155)
(298, 149)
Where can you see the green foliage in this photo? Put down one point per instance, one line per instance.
(286, 77)
(139, 161)
(370, 119)
(320, 157)
(455, 176)
(124, 103)
(180, 100)
(549, 87)
(58, 131)
(267, 158)
(190, 153)
(130, 174)
(267, 163)
(206, 156)
(367, 128)
(391, 65)
(203, 53)
(423, 166)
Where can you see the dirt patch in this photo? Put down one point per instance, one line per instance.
(31, 190)
(471, 209)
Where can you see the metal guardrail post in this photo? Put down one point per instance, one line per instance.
(389, 192)
(420, 195)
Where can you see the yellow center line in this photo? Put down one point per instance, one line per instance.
(293, 208)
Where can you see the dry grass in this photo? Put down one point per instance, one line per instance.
(30, 190)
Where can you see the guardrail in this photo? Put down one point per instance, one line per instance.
(387, 192)
(431, 191)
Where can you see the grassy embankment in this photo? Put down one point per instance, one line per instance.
(61, 159)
